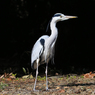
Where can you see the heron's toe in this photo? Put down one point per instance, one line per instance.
(35, 90)
(47, 89)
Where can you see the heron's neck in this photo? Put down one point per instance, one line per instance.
(54, 33)
(53, 28)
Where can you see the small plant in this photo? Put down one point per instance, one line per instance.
(61, 78)
(14, 75)
(2, 79)
(17, 78)
(74, 76)
(41, 78)
(67, 77)
(71, 77)
(24, 70)
(17, 86)
(2, 85)
(82, 76)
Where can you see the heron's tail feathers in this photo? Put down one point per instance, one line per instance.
(52, 61)
(34, 65)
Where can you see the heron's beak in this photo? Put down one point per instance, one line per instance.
(71, 17)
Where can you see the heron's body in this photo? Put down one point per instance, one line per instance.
(41, 55)
(43, 49)
(46, 48)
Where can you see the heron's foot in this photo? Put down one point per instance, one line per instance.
(35, 90)
(47, 89)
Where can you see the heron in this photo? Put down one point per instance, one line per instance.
(44, 49)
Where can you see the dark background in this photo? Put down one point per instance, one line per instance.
(22, 22)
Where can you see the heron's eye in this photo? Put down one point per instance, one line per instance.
(60, 16)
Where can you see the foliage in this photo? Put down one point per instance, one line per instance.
(3, 85)
(14, 74)
(24, 70)
(41, 78)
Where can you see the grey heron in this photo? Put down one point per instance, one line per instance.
(43, 49)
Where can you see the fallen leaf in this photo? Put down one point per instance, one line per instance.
(44, 84)
(29, 88)
(5, 74)
(57, 87)
(89, 75)
(37, 86)
(8, 79)
(1, 76)
(56, 74)
(62, 91)
(12, 77)
(25, 77)
(65, 87)
(53, 93)
(30, 76)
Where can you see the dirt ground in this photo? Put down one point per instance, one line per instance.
(70, 84)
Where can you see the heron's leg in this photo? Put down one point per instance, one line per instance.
(46, 76)
(36, 75)
(46, 71)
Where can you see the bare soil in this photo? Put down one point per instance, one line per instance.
(58, 85)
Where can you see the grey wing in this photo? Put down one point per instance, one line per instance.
(38, 49)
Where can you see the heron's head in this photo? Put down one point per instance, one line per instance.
(61, 17)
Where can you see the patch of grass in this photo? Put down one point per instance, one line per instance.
(41, 78)
(60, 78)
(24, 70)
(82, 76)
(17, 86)
(74, 76)
(67, 77)
(14, 75)
(3, 85)
(71, 77)
(2, 79)
(17, 78)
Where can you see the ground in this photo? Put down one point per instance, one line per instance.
(70, 84)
